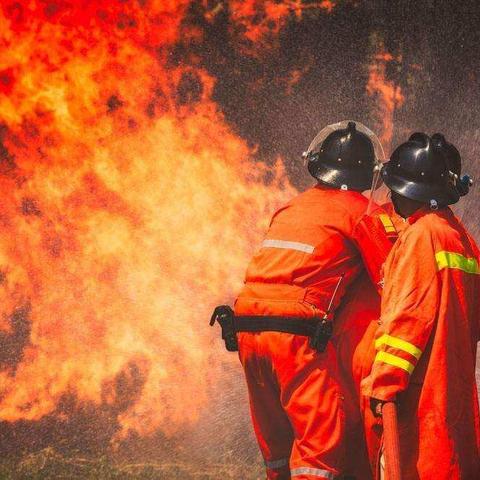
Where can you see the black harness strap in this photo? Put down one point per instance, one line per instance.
(319, 330)
(296, 325)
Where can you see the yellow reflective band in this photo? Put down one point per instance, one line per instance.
(455, 260)
(398, 343)
(395, 361)
(387, 223)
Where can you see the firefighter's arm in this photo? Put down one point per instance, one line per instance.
(374, 236)
(409, 310)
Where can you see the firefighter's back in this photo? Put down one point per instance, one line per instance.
(307, 249)
(306, 261)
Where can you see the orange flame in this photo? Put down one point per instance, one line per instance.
(129, 209)
(259, 22)
(387, 94)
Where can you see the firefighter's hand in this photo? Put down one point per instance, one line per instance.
(376, 407)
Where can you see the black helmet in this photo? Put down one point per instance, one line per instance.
(426, 169)
(345, 157)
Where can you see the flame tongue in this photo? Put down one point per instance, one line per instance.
(388, 94)
(129, 209)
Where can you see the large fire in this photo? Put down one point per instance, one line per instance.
(129, 208)
(130, 205)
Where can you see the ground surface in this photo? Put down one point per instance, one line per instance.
(48, 464)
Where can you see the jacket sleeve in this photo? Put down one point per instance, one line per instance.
(374, 236)
(410, 305)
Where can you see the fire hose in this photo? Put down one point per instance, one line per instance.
(391, 443)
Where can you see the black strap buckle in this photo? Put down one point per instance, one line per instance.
(322, 335)
(224, 315)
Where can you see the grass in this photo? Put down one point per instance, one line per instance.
(49, 464)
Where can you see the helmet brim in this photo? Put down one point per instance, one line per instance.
(420, 192)
(338, 177)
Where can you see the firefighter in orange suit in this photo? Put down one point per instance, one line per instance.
(429, 326)
(316, 246)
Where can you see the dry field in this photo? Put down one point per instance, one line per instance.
(49, 464)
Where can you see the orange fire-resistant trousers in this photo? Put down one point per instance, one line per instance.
(296, 405)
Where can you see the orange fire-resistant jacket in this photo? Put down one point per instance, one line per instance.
(319, 237)
(426, 347)
(316, 238)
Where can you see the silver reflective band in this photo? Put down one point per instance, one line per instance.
(382, 467)
(316, 472)
(301, 247)
(276, 463)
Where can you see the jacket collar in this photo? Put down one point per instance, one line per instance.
(425, 211)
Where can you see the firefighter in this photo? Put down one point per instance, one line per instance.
(282, 318)
(429, 326)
